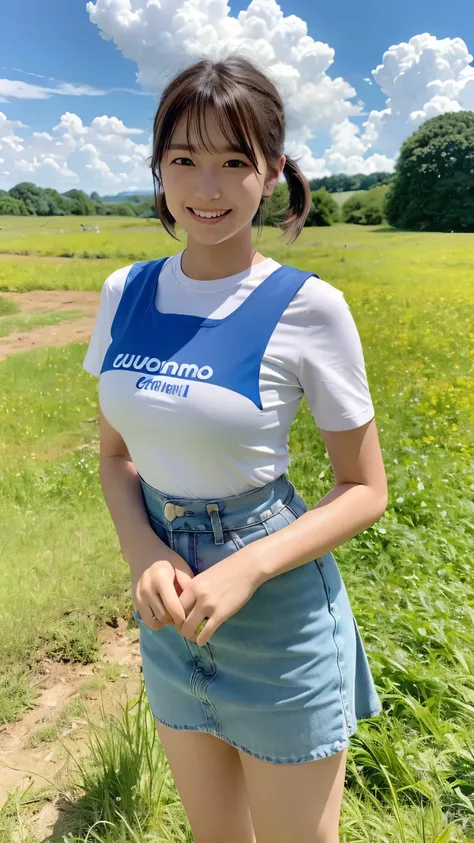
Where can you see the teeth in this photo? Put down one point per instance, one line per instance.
(209, 214)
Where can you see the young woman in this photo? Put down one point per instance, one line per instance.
(253, 663)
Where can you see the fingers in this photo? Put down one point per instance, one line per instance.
(159, 611)
(170, 602)
(181, 579)
(154, 624)
(189, 627)
(149, 619)
(159, 596)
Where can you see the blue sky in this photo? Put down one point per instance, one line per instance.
(57, 40)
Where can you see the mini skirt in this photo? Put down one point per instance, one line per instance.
(286, 678)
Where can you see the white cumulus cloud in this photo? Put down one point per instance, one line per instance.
(100, 157)
(422, 78)
(112, 126)
(162, 37)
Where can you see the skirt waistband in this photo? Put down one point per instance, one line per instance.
(236, 511)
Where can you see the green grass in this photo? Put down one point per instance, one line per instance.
(351, 257)
(410, 576)
(8, 306)
(121, 238)
(47, 226)
(58, 542)
(29, 321)
(21, 275)
(52, 727)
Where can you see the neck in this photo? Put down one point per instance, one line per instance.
(209, 262)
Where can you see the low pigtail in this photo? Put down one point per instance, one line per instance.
(299, 203)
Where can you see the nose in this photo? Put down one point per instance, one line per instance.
(207, 187)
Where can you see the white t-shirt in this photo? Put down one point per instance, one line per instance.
(220, 443)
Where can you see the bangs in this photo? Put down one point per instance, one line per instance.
(236, 120)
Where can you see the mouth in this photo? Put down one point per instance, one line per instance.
(208, 220)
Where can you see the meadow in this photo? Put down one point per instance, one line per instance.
(410, 577)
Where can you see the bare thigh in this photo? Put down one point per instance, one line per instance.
(292, 802)
(210, 782)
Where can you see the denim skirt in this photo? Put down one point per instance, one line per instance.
(286, 678)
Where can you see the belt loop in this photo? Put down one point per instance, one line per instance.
(213, 512)
(172, 511)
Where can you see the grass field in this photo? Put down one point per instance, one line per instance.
(410, 577)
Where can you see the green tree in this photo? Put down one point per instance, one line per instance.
(121, 209)
(48, 202)
(325, 210)
(12, 207)
(146, 208)
(365, 207)
(273, 209)
(58, 206)
(82, 205)
(31, 195)
(433, 188)
(341, 182)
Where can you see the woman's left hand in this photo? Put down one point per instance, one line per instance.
(218, 593)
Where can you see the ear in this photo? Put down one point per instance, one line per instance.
(273, 177)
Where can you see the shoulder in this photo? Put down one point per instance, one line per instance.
(115, 282)
(320, 296)
(318, 303)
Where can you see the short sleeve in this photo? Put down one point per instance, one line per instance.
(332, 366)
(100, 339)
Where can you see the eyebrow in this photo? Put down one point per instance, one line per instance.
(188, 149)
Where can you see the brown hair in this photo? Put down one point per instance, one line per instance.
(247, 104)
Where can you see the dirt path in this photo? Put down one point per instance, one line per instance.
(57, 683)
(44, 301)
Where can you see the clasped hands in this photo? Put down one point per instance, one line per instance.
(169, 593)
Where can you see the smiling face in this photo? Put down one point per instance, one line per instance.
(215, 179)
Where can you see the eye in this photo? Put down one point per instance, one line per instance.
(236, 161)
(232, 161)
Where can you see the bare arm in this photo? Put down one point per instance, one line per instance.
(123, 496)
(155, 569)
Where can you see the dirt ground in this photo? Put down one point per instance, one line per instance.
(43, 301)
(22, 767)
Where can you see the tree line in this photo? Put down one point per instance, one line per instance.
(343, 183)
(27, 199)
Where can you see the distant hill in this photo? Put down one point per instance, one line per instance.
(127, 196)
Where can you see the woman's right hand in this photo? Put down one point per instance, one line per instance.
(156, 588)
